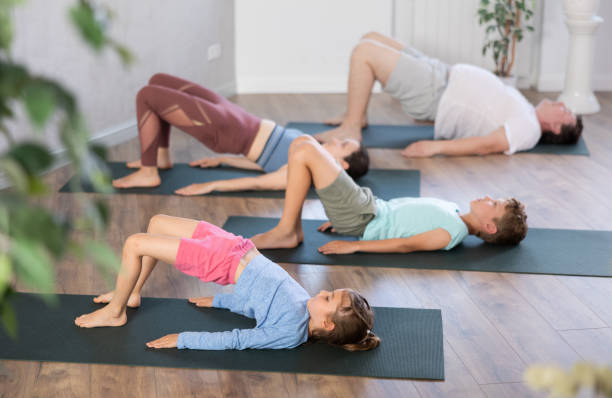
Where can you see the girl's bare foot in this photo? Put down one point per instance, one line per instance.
(133, 301)
(145, 177)
(277, 238)
(342, 132)
(338, 120)
(102, 317)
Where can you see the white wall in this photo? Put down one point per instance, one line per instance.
(555, 40)
(171, 37)
(449, 30)
(302, 46)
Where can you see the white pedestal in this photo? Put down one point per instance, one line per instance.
(578, 94)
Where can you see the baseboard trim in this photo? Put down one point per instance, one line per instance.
(108, 137)
(600, 82)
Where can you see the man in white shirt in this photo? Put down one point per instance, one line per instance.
(474, 112)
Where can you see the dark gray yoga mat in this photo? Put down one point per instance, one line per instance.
(385, 184)
(411, 340)
(544, 251)
(390, 136)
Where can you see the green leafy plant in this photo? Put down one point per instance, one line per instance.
(561, 383)
(504, 20)
(33, 238)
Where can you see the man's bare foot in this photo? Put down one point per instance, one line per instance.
(102, 317)
(133, 301)
(276, 238)
(342, 132)
(338, 120)
(145, 177)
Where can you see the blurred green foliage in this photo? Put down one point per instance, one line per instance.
(561, 383)
(33, 238)
(504, 19)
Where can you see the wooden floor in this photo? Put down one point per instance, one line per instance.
(495, 324)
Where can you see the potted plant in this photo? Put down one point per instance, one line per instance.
(506, 21)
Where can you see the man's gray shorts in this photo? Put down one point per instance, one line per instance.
(418, 82)
(348, 206)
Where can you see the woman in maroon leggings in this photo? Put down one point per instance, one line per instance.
(223, 127)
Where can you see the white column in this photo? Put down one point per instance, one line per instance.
(582, 23)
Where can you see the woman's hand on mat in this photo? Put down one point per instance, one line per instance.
(207, 162)
(196, 189)
(168, 341)
(202, 301)
(339, 247)
(326, 226)
(421, 149)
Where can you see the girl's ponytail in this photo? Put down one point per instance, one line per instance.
(370, 341)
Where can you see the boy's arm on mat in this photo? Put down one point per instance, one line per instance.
(239, 162)
(436, 239)
(272, 181)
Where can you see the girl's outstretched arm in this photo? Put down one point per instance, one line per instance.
(237, 339)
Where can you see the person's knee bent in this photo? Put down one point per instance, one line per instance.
(300, 141)
(156, 223)
(158, 77)
(144, 93)
(303, 149)
(372, 36)
(362, 52)
(134, 243)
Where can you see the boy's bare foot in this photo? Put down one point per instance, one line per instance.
(102, 317)
(342, 132)
(133, 301)
(277, 238)
(338, 120)
(145, 177)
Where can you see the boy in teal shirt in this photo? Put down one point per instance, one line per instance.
(399, 225)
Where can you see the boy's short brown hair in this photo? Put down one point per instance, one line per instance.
(511, 228)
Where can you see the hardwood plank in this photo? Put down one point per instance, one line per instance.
(458, 381)
(593, 345)
(525, 330)
(554, 301)
(511, 390)
(122, 381)
(594, 292)
(14, 378)
(482, 349)
(171, 382)
(61, 379)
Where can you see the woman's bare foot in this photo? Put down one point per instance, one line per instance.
(102, 317)
(338, 120)
(277, 238)
(163, 161)
(133, 301)
(342, 132)
(145, 177)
